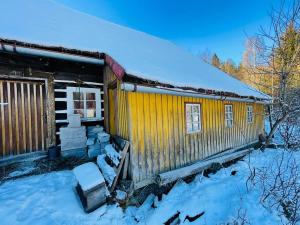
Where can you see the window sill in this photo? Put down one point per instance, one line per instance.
(91, 119)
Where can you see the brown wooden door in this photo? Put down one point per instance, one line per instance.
(22, 117)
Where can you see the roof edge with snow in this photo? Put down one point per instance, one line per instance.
(120, 72)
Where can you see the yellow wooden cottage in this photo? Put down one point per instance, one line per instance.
(173, 108)
(170, 129)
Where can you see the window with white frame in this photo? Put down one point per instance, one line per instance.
(84, 101)
(228, 116)
(249, 114)
(193, 118)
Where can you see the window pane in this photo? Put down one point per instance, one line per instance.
(78, 105)
(91, 113)
(90, 96)
(79, 111)
(188, 109)
(91, 105)
(189, 127)
(188, 118)
(228, 108)
(77, 96)
(195, 118)
(196, 109)
(196, 127)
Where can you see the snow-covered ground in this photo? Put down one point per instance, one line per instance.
(51, 199)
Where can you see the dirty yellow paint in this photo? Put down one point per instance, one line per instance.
(155, 125)
(158, 131)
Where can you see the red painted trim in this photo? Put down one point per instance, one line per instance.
(115, 67)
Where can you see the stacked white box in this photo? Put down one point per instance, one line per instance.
(73, 136)
(74, 120)
(101, 140)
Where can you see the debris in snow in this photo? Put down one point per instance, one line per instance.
(121, 195)
(61, 206)
(173, 220)
(90, 141)
(155, 202)
(112, 154)
(22, 171)
(193, 218)
(88, 176)
(233, 173)
(107, 171)
(144, 208)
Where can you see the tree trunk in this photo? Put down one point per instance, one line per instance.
(274, 128)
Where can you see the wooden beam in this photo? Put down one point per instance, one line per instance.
(173, 175)
(124, 152)
(2, 119)
(126, 164)
(113, 84)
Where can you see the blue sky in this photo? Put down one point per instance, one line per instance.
(220, 26)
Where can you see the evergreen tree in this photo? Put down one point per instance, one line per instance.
(287, 55)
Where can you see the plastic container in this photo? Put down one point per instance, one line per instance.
(53, 152)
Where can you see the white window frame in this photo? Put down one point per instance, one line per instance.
(228, 116)
(250, 115)
(190, 118)
(70, 102)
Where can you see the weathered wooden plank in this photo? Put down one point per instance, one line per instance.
(120, 166)
(134, 154)
(165, 123)
(171, 176)
(147, 135)
(212, 127)
(35, 117)
(174, 119)
(9, 119)
(160, 134)
(42, 116)
(205, 125)
(153, 134)
(126, 165)
(2, 120)
(141, 149)
(135, 121)
(23, 117)
(171, 154)
(217, 125)
(16, 118)
(29, 117)
(181, 120)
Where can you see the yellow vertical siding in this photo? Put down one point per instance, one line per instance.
(115, 106)
(159, 141)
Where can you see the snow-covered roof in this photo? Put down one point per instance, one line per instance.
(50, 23)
